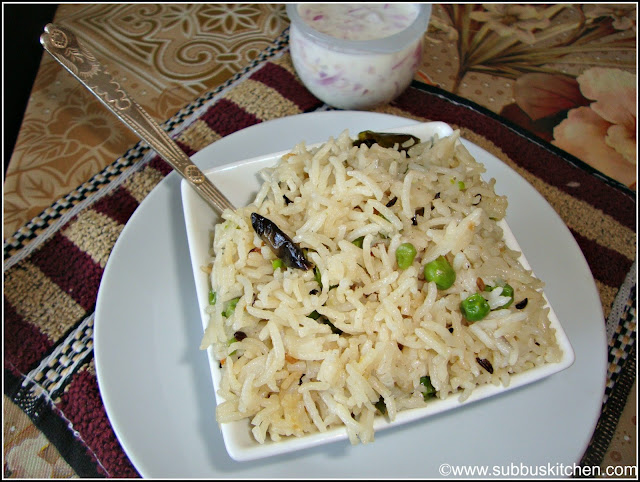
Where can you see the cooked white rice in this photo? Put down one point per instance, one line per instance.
(293, 375)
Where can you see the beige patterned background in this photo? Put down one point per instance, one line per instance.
(166, 55)
(172, 54)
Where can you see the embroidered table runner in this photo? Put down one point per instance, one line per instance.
(54, 264)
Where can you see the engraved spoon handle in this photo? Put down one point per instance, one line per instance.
(63, 46)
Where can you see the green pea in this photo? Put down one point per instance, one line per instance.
(440, 271)
(475, 307)
(276, 263)
(430, 390)
(212, 297)
(405, 255)
(507, 290)
(231, 307)
(358, 241)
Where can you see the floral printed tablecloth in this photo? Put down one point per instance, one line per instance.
(566, 73)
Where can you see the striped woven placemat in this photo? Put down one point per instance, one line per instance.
(54, 264)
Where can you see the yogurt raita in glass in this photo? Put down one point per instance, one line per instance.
(357, 56)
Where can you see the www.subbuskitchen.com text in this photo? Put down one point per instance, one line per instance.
(548, 470)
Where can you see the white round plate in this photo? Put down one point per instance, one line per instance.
(156, 384)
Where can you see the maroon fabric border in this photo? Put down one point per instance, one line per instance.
(82, 405)
(607, 265)
(284, 82)
(226, 117)
(24, 344)
(118, 205)
(70, 268)
(160, 165)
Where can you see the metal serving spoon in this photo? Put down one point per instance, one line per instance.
(63, 46)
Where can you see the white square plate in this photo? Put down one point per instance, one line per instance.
(239, 181)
